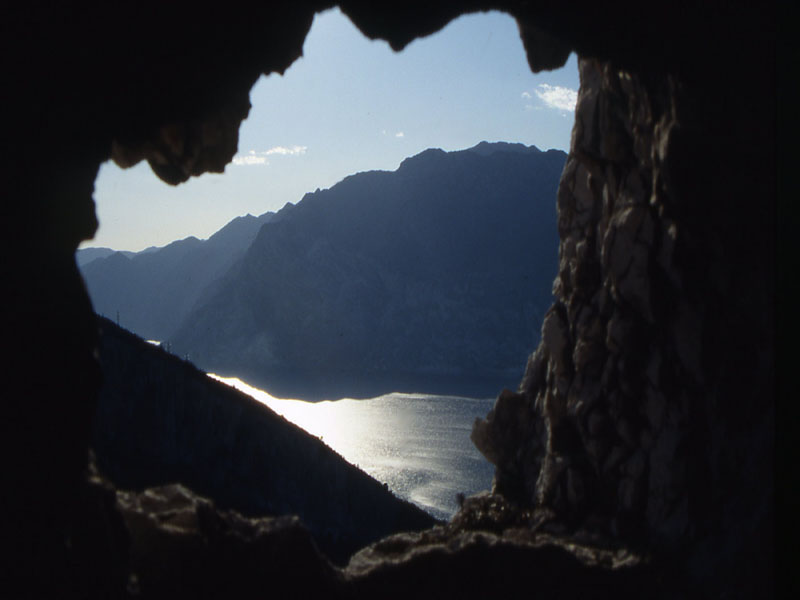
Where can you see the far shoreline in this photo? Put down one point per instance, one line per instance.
(321, 387)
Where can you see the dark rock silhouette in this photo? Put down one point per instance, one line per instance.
(392, 281)
(626, 416)
(673, 137)
(219, 553)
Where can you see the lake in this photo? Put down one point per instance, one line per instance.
(418, 444)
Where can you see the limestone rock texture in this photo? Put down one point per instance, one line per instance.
(658, 350)
(646, 417)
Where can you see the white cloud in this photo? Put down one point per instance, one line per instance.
(556, 96)
(251, 158)
(526, 95)
(260, 158)
(399, 134)
(287, 151)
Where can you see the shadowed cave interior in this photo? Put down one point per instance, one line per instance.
(636, 456)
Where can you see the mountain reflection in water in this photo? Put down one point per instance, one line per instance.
(418, 444)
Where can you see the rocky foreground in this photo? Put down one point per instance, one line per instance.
(168, 542)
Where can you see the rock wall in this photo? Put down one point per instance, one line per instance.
(647, 411)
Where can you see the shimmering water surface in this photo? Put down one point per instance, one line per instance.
(416, 443)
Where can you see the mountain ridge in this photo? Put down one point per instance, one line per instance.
(386, 255)
(386, 281)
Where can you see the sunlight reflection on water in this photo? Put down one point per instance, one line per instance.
(417, 443)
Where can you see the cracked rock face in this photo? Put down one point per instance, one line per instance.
(629, 412)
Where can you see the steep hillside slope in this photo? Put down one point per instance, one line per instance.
(159, 420)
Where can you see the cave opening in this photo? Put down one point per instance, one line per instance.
(481, 89)
(667, 260)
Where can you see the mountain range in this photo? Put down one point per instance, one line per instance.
(387, 281)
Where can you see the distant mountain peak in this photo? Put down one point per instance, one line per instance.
(484, 148)
(425, 156)
(487, 148)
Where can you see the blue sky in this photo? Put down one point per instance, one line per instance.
(349, 105)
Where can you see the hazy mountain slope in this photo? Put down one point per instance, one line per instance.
(432, 277)
(86, 255)
(154, 290)
(159, 420)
